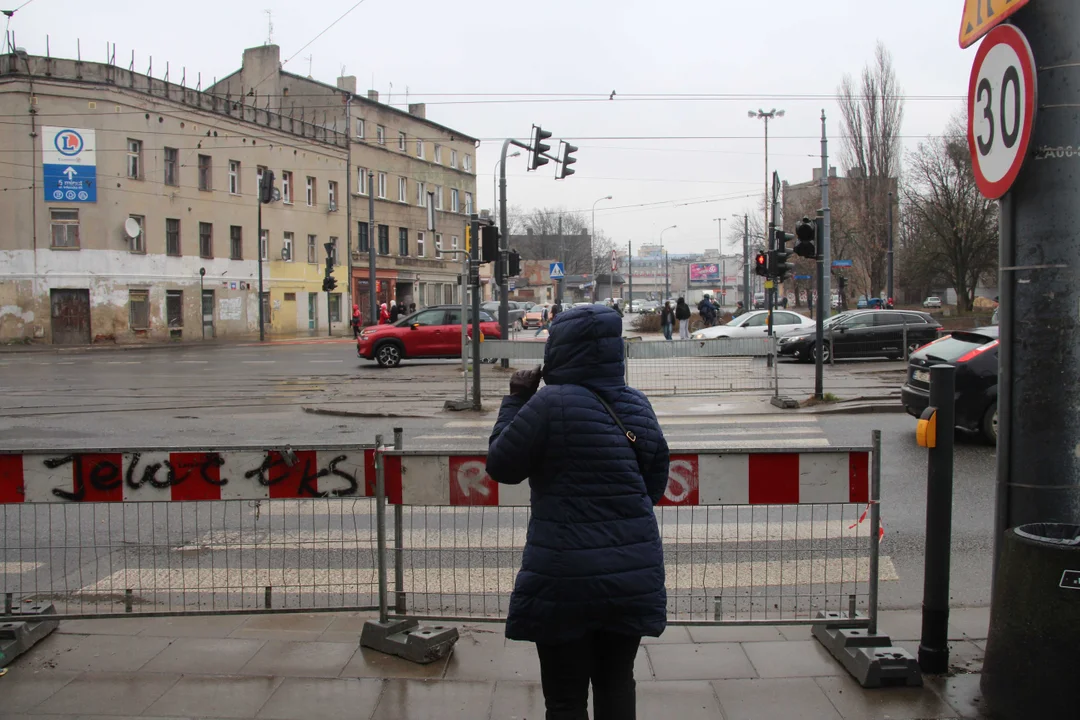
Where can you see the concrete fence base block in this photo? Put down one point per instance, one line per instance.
(409, 640)
(871, 659)
(784, 402)
(18, 636)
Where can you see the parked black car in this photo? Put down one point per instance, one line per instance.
(865, 333)
(974, 353)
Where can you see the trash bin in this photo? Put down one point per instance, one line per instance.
(1031, 666)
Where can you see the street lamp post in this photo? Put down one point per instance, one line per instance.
(720, 248)
(592, 247)
(767, 116)
(663, 259)
(747, 295)
(495, 178)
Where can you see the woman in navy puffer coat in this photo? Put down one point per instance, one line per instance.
(592, 574)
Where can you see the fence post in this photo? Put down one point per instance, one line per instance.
(875, 530)
(380, 526)
(399, 540)
(934, 644)
(906, 353)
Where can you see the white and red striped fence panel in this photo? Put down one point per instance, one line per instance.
(152, 475)
(748, 477)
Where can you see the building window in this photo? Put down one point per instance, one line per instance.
(453, 159)
(382, 186)
(236, 242)
(362, 243)
(138, 243)
(438, 246)
(403, 242)
(420, 294)
(259, 170)
(380, 134)
(65, 228)
(206, 240)
(264, 245)
(172, 236)
(361, 181)
(421, 194)
(134, 159)
(287, 248)
(419, 244)
(419, 148)
(448, 294)
(312, 256)
(359, 128)
(455, 200)
(290, 297)
(468, 203)
(333, 250)
(335, 307)
(174, 308)
(402, 190)
(401, 141)
(438, 154)
(205, 173)
(331, 195)
(139, 309)
(384, 239)
(468, 163)
(234, 177)
(172, 167)
(311, 192)
(286, 187)
(438, 198)
(453, 242)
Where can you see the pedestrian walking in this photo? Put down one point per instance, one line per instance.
(682, 314)
(395, 312)
(739, 310)
(412, 308)
(543, 321)
(356, 320)
(384, 315)
(591, 582)
(667, 320)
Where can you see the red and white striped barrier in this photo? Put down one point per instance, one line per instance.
(705, 478)
(186, 476)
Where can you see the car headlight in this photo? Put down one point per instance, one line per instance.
(699, 336)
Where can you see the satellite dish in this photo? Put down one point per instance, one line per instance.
(131, 228)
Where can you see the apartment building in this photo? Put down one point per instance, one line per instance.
(131, 211)
(420, 175)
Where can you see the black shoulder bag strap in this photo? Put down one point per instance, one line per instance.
(628, 433)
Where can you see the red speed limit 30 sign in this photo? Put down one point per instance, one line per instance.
(1001, 109)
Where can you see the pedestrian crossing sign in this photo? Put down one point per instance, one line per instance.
(555, 272)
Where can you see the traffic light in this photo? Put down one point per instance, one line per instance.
(566, 161)
(489, 243)
(539, 147)
(514, 262)
(780, 263)
(805, 232)
(329, 281)
(266, 187)
(761, 264)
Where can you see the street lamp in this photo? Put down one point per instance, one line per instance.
(720, 248)
(663, 259)
(766, 116)
(745, 259)
(495, 179)
(592, 251)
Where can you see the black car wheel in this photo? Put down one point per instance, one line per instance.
(388, 355)
(826, 354)
(990, 424)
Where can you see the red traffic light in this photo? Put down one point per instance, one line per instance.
(761, 264)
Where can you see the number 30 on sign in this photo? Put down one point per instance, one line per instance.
(1001, 109)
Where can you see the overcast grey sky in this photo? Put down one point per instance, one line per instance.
(788, 54)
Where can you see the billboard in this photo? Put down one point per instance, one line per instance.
(704, 273)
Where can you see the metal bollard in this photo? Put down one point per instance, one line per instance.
(875, 532)
(399, 540)
(934, 645)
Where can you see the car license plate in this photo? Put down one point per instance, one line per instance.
(921, 376)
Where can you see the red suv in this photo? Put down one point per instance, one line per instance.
(433, 332)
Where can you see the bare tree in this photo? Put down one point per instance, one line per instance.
(954, 229)
(555, 234)
(873, 113)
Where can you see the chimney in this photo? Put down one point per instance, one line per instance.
(817, 174)
(347, 83)
(373, 95)
(832, 172)
(418, 109)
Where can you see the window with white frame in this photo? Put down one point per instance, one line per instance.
(438, 154)
(361, 181)
(453, 159)
(468, 163)
(419, 148)
(421, 194)
(206, 179)
(331, 194)
(403, 242)
(453, 242)
(359, 128)
(138, 243)
(311, 191)
(438, 198)
(468, 203)
(380, 134)
(438, 246)
(286, 187)
(134, 159)
(382, 186)
(402, 190)
(312, 254)
(234, 177)
(64, 226)
(455, 200)
(401, 141)
(287, 248)
(419, 244)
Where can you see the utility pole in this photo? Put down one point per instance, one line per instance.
(350, 295)
(889, 283)
(824, 242)
(373, 319)
(504, 242)
(474, 283)
(748, 295)
(562, 259)
(262, 312)
(630, 270)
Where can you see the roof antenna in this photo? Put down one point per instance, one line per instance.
(309, 59)
(269, 27)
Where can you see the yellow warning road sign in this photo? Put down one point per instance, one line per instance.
(982, 16)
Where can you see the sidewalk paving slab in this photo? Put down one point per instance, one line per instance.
(774, 699)
(894, 703)
(109, 693)
(681, 699)
(202, 626)
(518, 701)
(210, 656)
(792, 659)
(700, 662)
(108, 653)
(434, 700)
(961, 692)
(323, 699)
(26, 687)
(214, 696)
(373, 664)
(735, 633)
(300, 659)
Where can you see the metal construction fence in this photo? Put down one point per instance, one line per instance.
(750, 535)
(676, 367)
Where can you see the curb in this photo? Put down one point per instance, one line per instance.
(43, 349)
(360, 414)
(859, 408)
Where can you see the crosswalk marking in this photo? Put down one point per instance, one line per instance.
(684, 420)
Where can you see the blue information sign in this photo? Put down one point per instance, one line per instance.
(69, 165)
(841, 263)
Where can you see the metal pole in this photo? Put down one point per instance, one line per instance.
(372, 254)
(504, 300)
(630, 269)
(262, 319)
(747, 294)
(934, 645)
(465, 312)
(202, 301)
(819, 319)
(825, 235)
(1006, 258)
(399, 539)
(350, 296)
(380, 526)
(474, 282)
(889, 283)
(875, 530)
